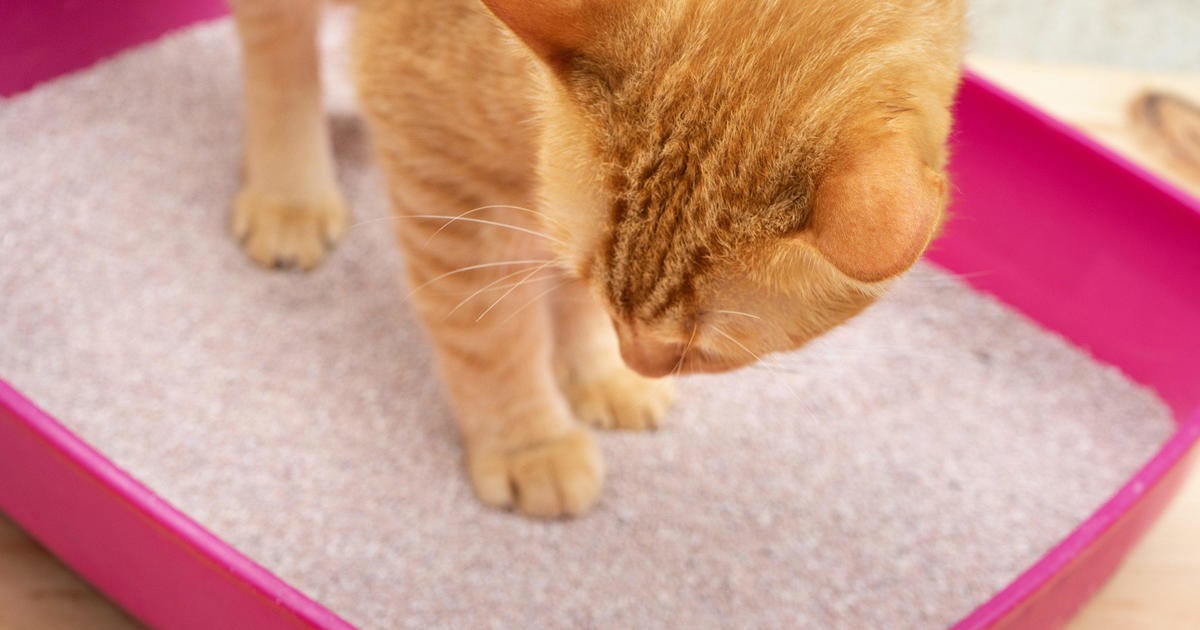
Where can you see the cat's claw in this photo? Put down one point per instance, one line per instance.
(559, 477)
(620, 399)
(283, 235)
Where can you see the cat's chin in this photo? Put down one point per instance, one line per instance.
(653, 357)
(712, 367)
(688, 365)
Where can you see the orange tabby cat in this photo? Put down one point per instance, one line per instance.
(715, 180)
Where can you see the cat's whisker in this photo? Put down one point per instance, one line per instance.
(686, 348)
(506, 286)
(556, 286)
(373, 221)
(478, 267)
(452, 219)
(370, 222)
(508, 226)
(509, 285)
(509, 292)
(492, 285)
(468, 213)
(739, 313)
(739, 344)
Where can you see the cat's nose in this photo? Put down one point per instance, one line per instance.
(645, 355)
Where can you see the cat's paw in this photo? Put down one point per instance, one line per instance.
(280, 235)
(620, 399)
(559, 477)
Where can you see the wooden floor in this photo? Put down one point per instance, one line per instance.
(1158, 588)
(37, 592)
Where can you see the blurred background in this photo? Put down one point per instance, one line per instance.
(1155, 35)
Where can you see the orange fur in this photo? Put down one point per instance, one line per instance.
(289, 210)
(715, 179)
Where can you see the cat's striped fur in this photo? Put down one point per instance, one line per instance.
(715, 179)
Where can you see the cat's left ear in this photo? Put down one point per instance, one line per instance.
(555, 30)
(876, 211)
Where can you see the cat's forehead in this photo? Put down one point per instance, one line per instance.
(732, 163)
(752, 100)
(772, 64)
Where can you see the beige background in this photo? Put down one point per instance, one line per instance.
(1155, 35)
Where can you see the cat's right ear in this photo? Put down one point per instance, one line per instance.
(877, 210)
(555, 30)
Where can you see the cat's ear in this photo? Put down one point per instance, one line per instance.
(553, 29)
(876, 210)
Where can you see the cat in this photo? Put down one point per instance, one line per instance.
(591, 195)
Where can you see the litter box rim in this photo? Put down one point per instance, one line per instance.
(168, 571)
(1050, 592)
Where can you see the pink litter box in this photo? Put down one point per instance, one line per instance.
(1104, 253)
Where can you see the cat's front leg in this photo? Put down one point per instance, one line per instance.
(524, 449)
(602, 390)
(289, 211)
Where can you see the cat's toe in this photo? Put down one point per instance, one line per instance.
(621, 399)
(559, 477)
(284, 235)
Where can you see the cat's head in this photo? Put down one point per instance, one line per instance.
(736, 177)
